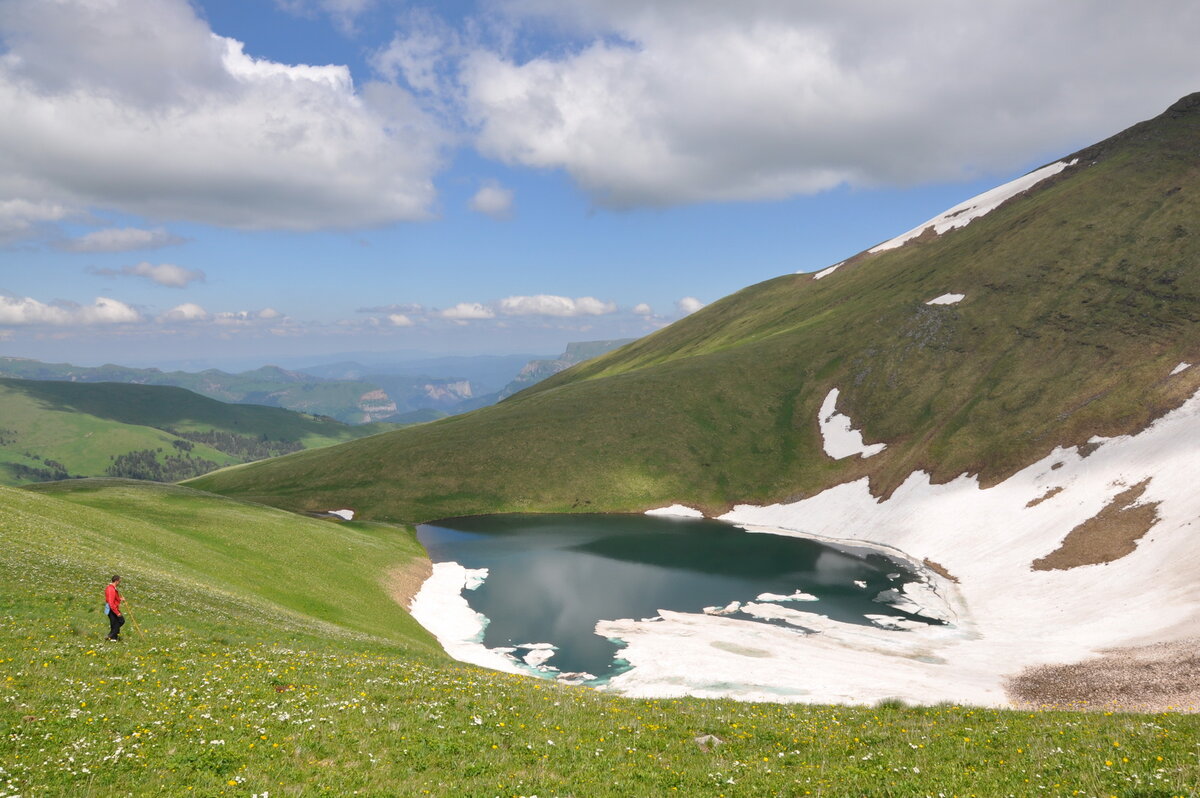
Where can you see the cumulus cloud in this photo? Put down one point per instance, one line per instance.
(642, 309)
(138, 106)
(241, 318)
(550, 305)
(493, 200)
(187, 312)
(167, 274)
(120, 239)
(688, 305)
(23, 311)
(20, 218)
(670, 101)
(399, 320)
(465, 311)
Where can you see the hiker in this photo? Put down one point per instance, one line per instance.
(112, 608)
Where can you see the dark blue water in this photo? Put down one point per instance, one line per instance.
(552, 577)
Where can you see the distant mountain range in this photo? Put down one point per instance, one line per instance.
(53, 429)
(350, 392)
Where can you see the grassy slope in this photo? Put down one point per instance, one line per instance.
(1082, 295)
(240, 683)
(82, 424)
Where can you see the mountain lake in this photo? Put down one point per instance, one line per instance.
(550, 578)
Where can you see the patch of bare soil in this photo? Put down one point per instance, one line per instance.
(940, 570)
(403, 581)
(1107, 536)
(1050, 494)
(1164, 677)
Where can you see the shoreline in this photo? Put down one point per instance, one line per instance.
(1111, 632)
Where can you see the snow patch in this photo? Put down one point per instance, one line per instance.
(1179, 368)
(839, 437)
(966, 212)
(947, 299)
(827, 272)
(676, 510)
(347, 515)
(440, 607)
(999, 618)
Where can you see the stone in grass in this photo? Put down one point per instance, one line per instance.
(708, 742)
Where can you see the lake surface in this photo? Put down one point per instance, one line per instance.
(552, 577)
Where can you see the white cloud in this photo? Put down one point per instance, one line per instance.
(21, 311)
(269, 314)
(549, 305)
(121, 239)
(467, 310)
(399, 320)
(671, 101)
(344, 13)
(137, 106)
(21, 217)
(493, 200)
(167, 274)
(643, 309)
(688, 305)
(187, 312)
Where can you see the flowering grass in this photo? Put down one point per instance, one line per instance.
(227, 688)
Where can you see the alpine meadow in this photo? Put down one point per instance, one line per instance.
(567, 400)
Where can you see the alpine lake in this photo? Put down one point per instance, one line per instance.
(550, 578)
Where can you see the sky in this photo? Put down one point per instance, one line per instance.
(223, 181)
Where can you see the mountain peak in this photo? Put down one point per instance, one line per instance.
(1188, 104)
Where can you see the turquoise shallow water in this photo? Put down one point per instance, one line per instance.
(552, 577)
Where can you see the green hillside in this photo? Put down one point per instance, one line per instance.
(349, 401)
(268, 658)
(1081, 296)
(50, 430)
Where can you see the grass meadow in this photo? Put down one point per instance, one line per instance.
(268, 660)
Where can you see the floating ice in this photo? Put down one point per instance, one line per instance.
(728, 609)
(799, 595)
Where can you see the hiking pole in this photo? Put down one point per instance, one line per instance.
(136, 625)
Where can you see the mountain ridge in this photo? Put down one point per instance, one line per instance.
(1079, 296)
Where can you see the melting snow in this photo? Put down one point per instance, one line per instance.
(947, 299)
(440, 607)
(799, 595)
(966, 212)
(1001, 616)
(839, 437)
(827, 272)
(1179, 368)
(348, 515)
(677, 510)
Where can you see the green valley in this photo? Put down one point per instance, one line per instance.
(54, 430)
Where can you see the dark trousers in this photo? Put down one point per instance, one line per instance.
(115, 622)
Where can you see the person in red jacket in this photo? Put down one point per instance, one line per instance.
(112, 608)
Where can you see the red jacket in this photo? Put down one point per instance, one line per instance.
(113, 597)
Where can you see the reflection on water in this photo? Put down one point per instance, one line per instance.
(552, 577)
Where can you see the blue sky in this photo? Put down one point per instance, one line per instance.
(281, 179)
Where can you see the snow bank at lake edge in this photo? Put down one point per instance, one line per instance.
(1006, 616)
